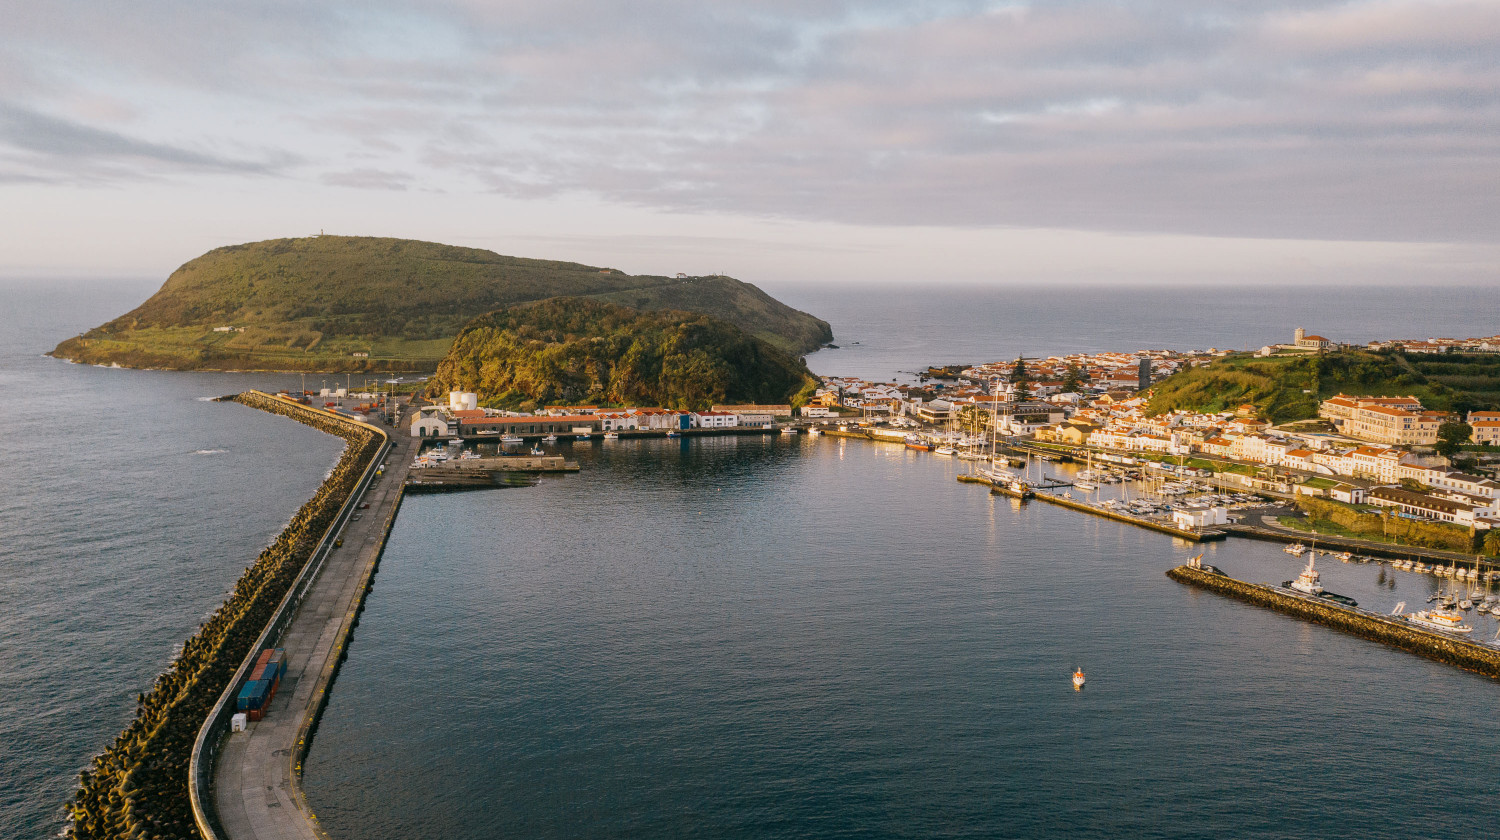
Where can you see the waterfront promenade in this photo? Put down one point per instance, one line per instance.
(257, 789)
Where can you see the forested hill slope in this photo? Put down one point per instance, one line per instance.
(365, 303)
(573, 350)
(1289, 388)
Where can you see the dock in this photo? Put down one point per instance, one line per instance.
(1443, 647)
(450, 479)
(1194, 535)
(254, 789)
(509, 463)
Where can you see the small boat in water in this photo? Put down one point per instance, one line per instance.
(510, 440)
(550, 439)
(1296, 549)
(788, 430)
(914, 442)
(1085, 485)
(1078, 680)
(945, 450)
(611, 436)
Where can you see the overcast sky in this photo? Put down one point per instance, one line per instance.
(772, 140)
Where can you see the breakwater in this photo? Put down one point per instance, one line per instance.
(139, 786)
(1366, 625)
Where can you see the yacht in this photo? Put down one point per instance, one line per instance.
(1085, 485)
(945, 450)
(1440, 620)
(1307, 582)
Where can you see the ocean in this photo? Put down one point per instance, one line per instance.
(736, 637)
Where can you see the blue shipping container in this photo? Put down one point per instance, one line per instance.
(253, 695)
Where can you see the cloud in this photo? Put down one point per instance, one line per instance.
(64, 145)
(1367, 119)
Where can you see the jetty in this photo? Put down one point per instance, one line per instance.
(1390, 630)
(246, 785)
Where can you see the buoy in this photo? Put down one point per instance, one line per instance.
(1078, 680)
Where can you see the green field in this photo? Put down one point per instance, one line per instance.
(1289, 388)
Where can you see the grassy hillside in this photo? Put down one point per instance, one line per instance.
(1289, 388)
(577, 350)
(311, 304)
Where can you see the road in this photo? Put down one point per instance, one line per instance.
(256, 790)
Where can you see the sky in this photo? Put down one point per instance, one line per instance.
(776, 141)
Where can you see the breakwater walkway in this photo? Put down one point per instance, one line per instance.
(256, 790)
(1390, 630)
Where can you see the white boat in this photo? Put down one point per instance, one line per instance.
(812, 431)
(1346, 557)
(1085, 485)
(671, 433)
(945, 450)
(1296, 549)
(550, 439)
(1308, 582)
(611, 436)
(788, 430)
(511, 439)
(468, 455)
(537, 450)
(1440, 620)
(1078, 680)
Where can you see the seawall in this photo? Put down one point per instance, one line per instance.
(1366, 625)
(213, 741)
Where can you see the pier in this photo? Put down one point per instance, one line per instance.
(1471, 656)
(247, 785)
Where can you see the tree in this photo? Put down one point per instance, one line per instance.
(1492, 542)
(1452, 435)
(1019, 379)
(1073, 379)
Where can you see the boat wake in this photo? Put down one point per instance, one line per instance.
(210, 451)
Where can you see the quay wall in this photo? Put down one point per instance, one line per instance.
(1180, 533)
(341, 489)
(1366, 625)
(1356, 546)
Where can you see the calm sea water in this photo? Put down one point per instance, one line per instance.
(739, 637)
(808, 637)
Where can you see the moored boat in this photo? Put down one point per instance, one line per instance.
(1078, 680)
(1439, 620)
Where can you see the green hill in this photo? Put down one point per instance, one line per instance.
(568, 350)
(314, 303)
(1287, 388)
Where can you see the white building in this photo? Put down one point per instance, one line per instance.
(715, 420)
(431, 423)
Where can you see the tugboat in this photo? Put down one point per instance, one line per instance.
(1307, 582)
(1078, 680)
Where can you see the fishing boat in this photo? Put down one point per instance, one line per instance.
(537, 450)
(1296, 549)
(1346, 557)
(511, 440)
(673, 433)
(583, 437)
(611, 436)
(550, 439)
(914, 442)
(1078, 680)
(813, 431)
(1447, 622)
(788, 430)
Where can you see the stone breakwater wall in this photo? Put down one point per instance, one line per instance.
(139, 787)
(1392, 631)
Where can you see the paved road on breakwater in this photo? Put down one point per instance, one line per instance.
(256, 790)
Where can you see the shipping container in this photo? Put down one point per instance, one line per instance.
(253, 696)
